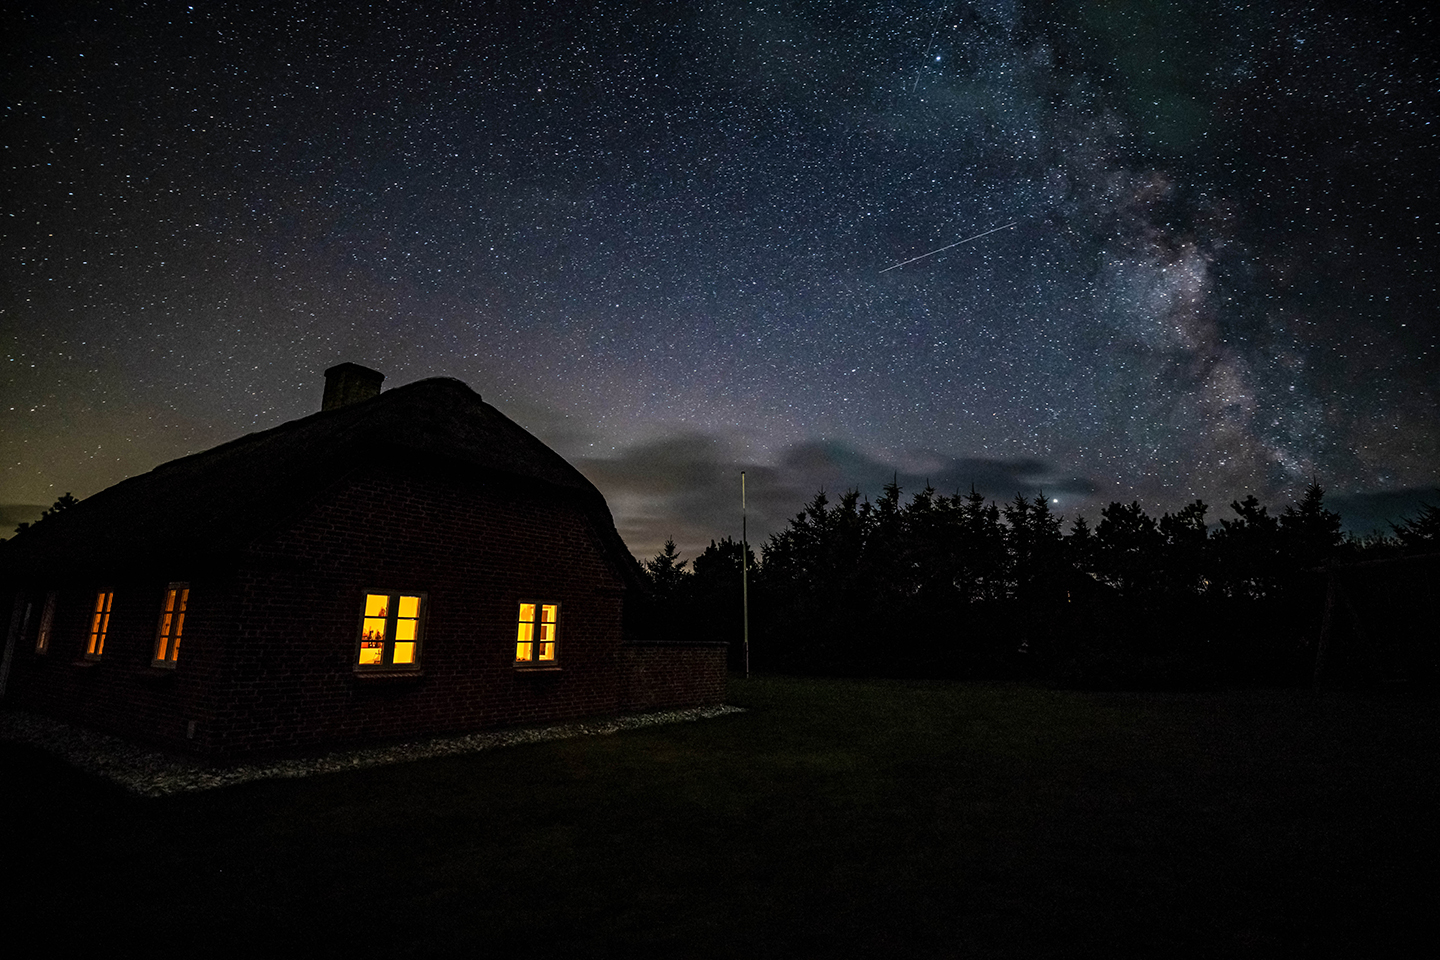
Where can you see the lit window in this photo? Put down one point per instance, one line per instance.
(99, 623)
(47, 621)
(390, 632)
(535, 643)
(172, 621)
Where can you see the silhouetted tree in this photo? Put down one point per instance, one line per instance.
(713, 592)
(983, 549)
(1186, 551)
(65, 502)
(1247, 552)
(666, 572)
(1420, 532)
(670, 610)
(1310, 534)
(1080, 546)
(1127, 548)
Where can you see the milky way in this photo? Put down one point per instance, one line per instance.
(658, 236)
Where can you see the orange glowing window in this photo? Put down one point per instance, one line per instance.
(172, 621)
(47, 623)
(390, 632)
(99, 624)
(536, 641)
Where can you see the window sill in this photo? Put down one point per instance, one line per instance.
(86, 662)
(386, 674)
(162, 664)
(527, 669)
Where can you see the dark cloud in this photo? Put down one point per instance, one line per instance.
(1369, 512)
(14, 514)
(687, 485)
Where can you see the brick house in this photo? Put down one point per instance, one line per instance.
(401, 564)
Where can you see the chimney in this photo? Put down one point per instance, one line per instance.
(347, 383)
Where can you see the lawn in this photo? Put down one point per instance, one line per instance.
(833, 818)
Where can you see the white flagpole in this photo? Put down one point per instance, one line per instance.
(745, 574)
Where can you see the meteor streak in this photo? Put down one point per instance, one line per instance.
(955, 244)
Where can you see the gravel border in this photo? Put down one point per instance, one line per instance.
(150, 773)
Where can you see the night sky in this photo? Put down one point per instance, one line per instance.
(657, 236)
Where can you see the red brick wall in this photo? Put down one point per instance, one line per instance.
(475, 551)
(663, 676)
(122, 692)
(267, 657)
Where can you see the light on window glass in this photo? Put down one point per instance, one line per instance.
(179, 622)
(404, 652)
(525, 637)
(547, 631)
(165, 621)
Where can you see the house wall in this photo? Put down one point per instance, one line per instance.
(475, 550)
(122, 692)
(267, 662)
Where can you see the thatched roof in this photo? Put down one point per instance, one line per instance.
(211, 505)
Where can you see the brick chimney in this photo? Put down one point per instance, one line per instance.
(347, 383)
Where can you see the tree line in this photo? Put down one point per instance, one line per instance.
(961, 586)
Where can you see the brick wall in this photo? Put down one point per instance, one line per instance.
(267, 658)
(121, 692)
(669, 675)
(475, 551)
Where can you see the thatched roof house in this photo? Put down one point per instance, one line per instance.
(400, 564)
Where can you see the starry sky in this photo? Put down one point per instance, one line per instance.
(1186, 249)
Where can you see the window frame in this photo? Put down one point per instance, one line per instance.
(392, 616)
(47, 622)
(167, 641)
(534, 663)
(99, 624)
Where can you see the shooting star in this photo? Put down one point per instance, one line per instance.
(957, 243)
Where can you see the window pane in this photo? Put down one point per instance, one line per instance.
(376, 604)
(374, 630)
(405, 629)
(163, 644)
(550, 609)
(409, 607)
(99, 624)
(524, 637)
(371, 651)
(527, 612)
(404, 652)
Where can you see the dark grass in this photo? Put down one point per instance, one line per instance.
(834, 818)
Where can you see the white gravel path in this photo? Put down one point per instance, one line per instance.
(149, 773)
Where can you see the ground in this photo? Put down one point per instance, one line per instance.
(831, 818)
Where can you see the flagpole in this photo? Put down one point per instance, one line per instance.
(745, 574)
